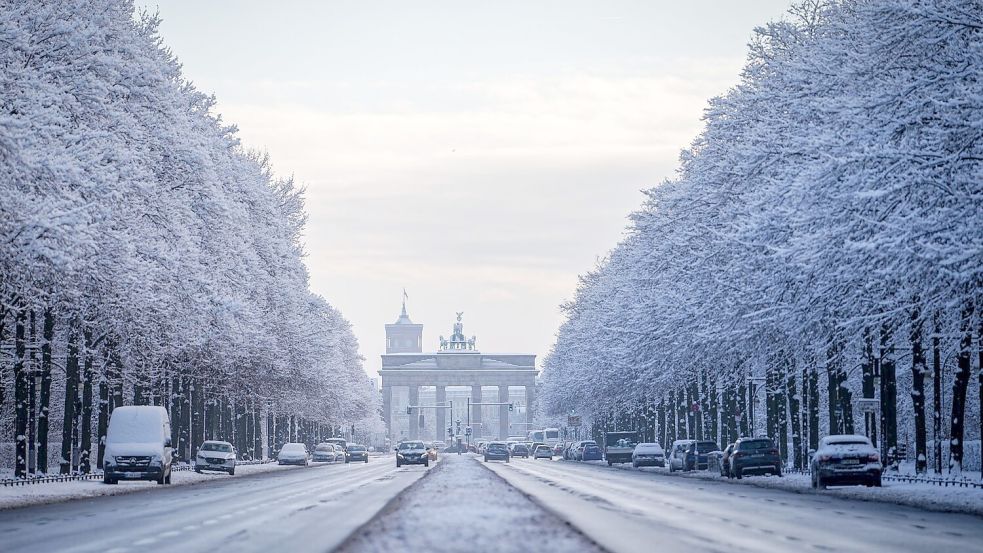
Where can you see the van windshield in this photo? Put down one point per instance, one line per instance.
(135, 426)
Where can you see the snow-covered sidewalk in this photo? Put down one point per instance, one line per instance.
(926, 496)
(53, 492)
(459, 506)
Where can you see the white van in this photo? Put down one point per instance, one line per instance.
(138, 445)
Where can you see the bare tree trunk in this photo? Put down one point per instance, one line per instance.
(960, 385)
(918, 370)
(813, 406)
(937, 395)
(869, 368)
(791, 390)
(71, 399)
(32, 393)
(85, 464)
(889, 392)
(20, 393)
(47, 335)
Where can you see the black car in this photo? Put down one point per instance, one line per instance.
(496, 451)
(356, 452)
(412, 453)
(755, 456)
(520, 450)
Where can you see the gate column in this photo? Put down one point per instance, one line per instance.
(503, 412)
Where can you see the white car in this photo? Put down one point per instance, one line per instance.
(294, 453)
(216, 455)
(327, 453)
(542, 451)
(648, 455)
(844, 460)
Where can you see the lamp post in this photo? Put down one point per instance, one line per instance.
(754, 384)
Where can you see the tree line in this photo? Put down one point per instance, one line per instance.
(146, 256)
(814, 266)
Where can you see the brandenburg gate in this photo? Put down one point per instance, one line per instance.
(457, 362)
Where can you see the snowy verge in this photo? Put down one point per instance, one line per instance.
(925, 496)
(54, 492)
(460, 505)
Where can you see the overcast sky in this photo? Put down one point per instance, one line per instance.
(479, 154)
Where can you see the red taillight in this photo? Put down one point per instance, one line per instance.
(874, 458)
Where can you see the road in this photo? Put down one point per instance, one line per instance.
(296, 510)
(628, 511)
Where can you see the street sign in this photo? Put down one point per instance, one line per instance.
(869, 405)
(573, 420)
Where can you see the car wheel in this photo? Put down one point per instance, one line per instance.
(738, 474)
(877, 481)
(107, 480)
(778, 471)
(198, 470)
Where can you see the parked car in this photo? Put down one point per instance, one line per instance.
(412, 453)
(846, 460)
(577, 452)
(327, 453)
(543, 451)
(138, 445)
(519, 450)
(648, 455)
(568, 451)
(356, 452)
(294, 453)
(755, 456)
(558, 449)
(725, 461)
(216, 455)
(496, 451)
(590, 451)
(691, 455)
(678, 453)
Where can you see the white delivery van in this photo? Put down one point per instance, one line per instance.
(138, 445)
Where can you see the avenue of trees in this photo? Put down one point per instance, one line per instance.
(146, 257)
(816, 264)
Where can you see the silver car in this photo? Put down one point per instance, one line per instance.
(216, 455)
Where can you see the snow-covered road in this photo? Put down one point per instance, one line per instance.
(296, 510)
(629, 511)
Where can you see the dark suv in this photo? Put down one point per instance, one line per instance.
(755, 456)
(496, 451)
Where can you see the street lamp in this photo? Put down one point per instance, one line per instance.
(754, 384)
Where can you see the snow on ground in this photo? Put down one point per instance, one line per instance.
(927, 496)
(53, 492)
(461, 506)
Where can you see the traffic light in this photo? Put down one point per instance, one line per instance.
(510, 407)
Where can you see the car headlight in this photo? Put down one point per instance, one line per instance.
(155, 460)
